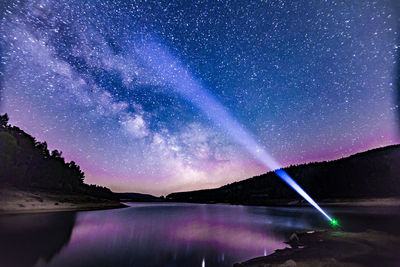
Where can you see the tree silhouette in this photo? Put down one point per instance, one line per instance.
(27, 163)
(374, 173)
(3, 120)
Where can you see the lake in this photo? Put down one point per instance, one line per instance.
(168, 234)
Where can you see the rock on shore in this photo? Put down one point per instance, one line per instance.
(334, 248)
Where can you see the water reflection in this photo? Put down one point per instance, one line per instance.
(169, 235)
(166, 234)
(29, 239)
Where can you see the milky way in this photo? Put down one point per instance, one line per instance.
(311, 81)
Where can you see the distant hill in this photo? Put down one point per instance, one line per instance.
(374, 173)
(137, 197)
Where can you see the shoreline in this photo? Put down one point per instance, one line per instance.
(364, 202)
(67, 209)
(55, 202)
(333, 248)
(16, 201)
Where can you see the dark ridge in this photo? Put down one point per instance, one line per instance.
(137, 197)
(371, 174)
(28, 164)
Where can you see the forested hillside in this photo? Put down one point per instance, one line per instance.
(374, 173)
(28, 164)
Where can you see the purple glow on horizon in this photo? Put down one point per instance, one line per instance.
(171, 70)
(75, 75)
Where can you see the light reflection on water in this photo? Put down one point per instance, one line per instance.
(162, 234)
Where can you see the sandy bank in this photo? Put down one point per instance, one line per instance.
(334, 248)
(19, 201)
(358, 202)
(366, 202)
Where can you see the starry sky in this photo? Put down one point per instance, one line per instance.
(310, 80)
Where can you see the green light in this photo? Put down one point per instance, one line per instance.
(334, 222)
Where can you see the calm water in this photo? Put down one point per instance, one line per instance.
(166, 234)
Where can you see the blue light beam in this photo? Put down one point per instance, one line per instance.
(171, 71)
(292, 183)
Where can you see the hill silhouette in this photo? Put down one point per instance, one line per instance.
(28, 164)
(371, 174)
(138, 197)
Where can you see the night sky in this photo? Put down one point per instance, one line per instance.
(309, 80)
